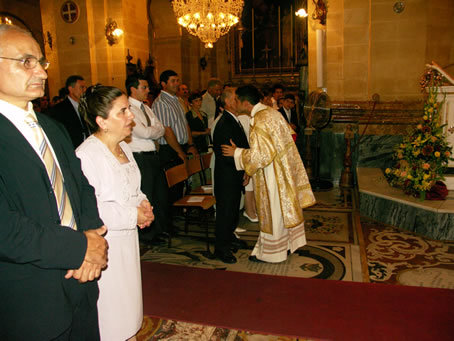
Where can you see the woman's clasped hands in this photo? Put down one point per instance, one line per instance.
(145, 214)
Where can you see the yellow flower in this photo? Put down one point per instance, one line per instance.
(409, 177)
(426, 176)
(425, 117)
(388, 170)
(431, 110)
(437, 154)
(416, 152)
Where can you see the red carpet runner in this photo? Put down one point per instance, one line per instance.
(288, 306)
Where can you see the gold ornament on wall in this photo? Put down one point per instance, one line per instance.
(320, 11)
(208, 19)
(113, 32)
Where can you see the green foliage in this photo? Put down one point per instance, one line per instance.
(423, 155)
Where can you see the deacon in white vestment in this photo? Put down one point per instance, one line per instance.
(282, 188)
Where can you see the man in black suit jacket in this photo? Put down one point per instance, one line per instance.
(67, 111)
(228, 182)
(47, 290)
(289, 112)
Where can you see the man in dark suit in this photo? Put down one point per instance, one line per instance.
(228, 182)
(47, 268)
(67, 111)
(289, 113)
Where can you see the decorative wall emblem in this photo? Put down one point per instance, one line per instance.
(69, 12)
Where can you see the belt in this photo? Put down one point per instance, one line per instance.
(154, 152)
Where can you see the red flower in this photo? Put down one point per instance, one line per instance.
(427, 150)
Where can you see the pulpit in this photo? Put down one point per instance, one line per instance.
(446, 94)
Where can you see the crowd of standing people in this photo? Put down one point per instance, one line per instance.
(82, 182)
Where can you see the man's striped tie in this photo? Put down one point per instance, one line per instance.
(64, 205)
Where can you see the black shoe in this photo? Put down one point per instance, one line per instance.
(238, 244)
(255, 259)
(225, 257)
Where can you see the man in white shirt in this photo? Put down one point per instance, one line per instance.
(146, 131)
(214, 90)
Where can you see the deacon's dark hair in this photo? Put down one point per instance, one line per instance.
(165, 75)
(133, 81)
(97, 101)
(194, 96)
(249, 93)
(266, 92)
(72, 80)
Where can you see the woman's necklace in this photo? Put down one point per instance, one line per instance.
(119, 152)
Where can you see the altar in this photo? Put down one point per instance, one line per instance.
(389, 205)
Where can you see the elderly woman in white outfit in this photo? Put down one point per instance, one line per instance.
(109, 166)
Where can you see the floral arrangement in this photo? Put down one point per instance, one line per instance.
(423, 155)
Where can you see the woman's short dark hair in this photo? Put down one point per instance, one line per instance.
(194, 96)
(97, 101)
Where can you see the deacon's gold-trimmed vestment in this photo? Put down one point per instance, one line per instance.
(282, 188)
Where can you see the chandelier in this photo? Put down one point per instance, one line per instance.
(208, 19)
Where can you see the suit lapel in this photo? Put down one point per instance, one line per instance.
(237, 132)
(12, 139)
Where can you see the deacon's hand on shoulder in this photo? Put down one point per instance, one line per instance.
(228, 150)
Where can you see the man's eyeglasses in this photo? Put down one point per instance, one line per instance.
(31, 62)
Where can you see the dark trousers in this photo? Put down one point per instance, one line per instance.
(154, 186)
(84, 325)
(228, 198)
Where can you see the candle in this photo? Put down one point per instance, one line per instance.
(319, 38)
(253, 33)
(279, 30)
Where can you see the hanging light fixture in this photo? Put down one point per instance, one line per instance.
(208, 19)
(5, 20)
